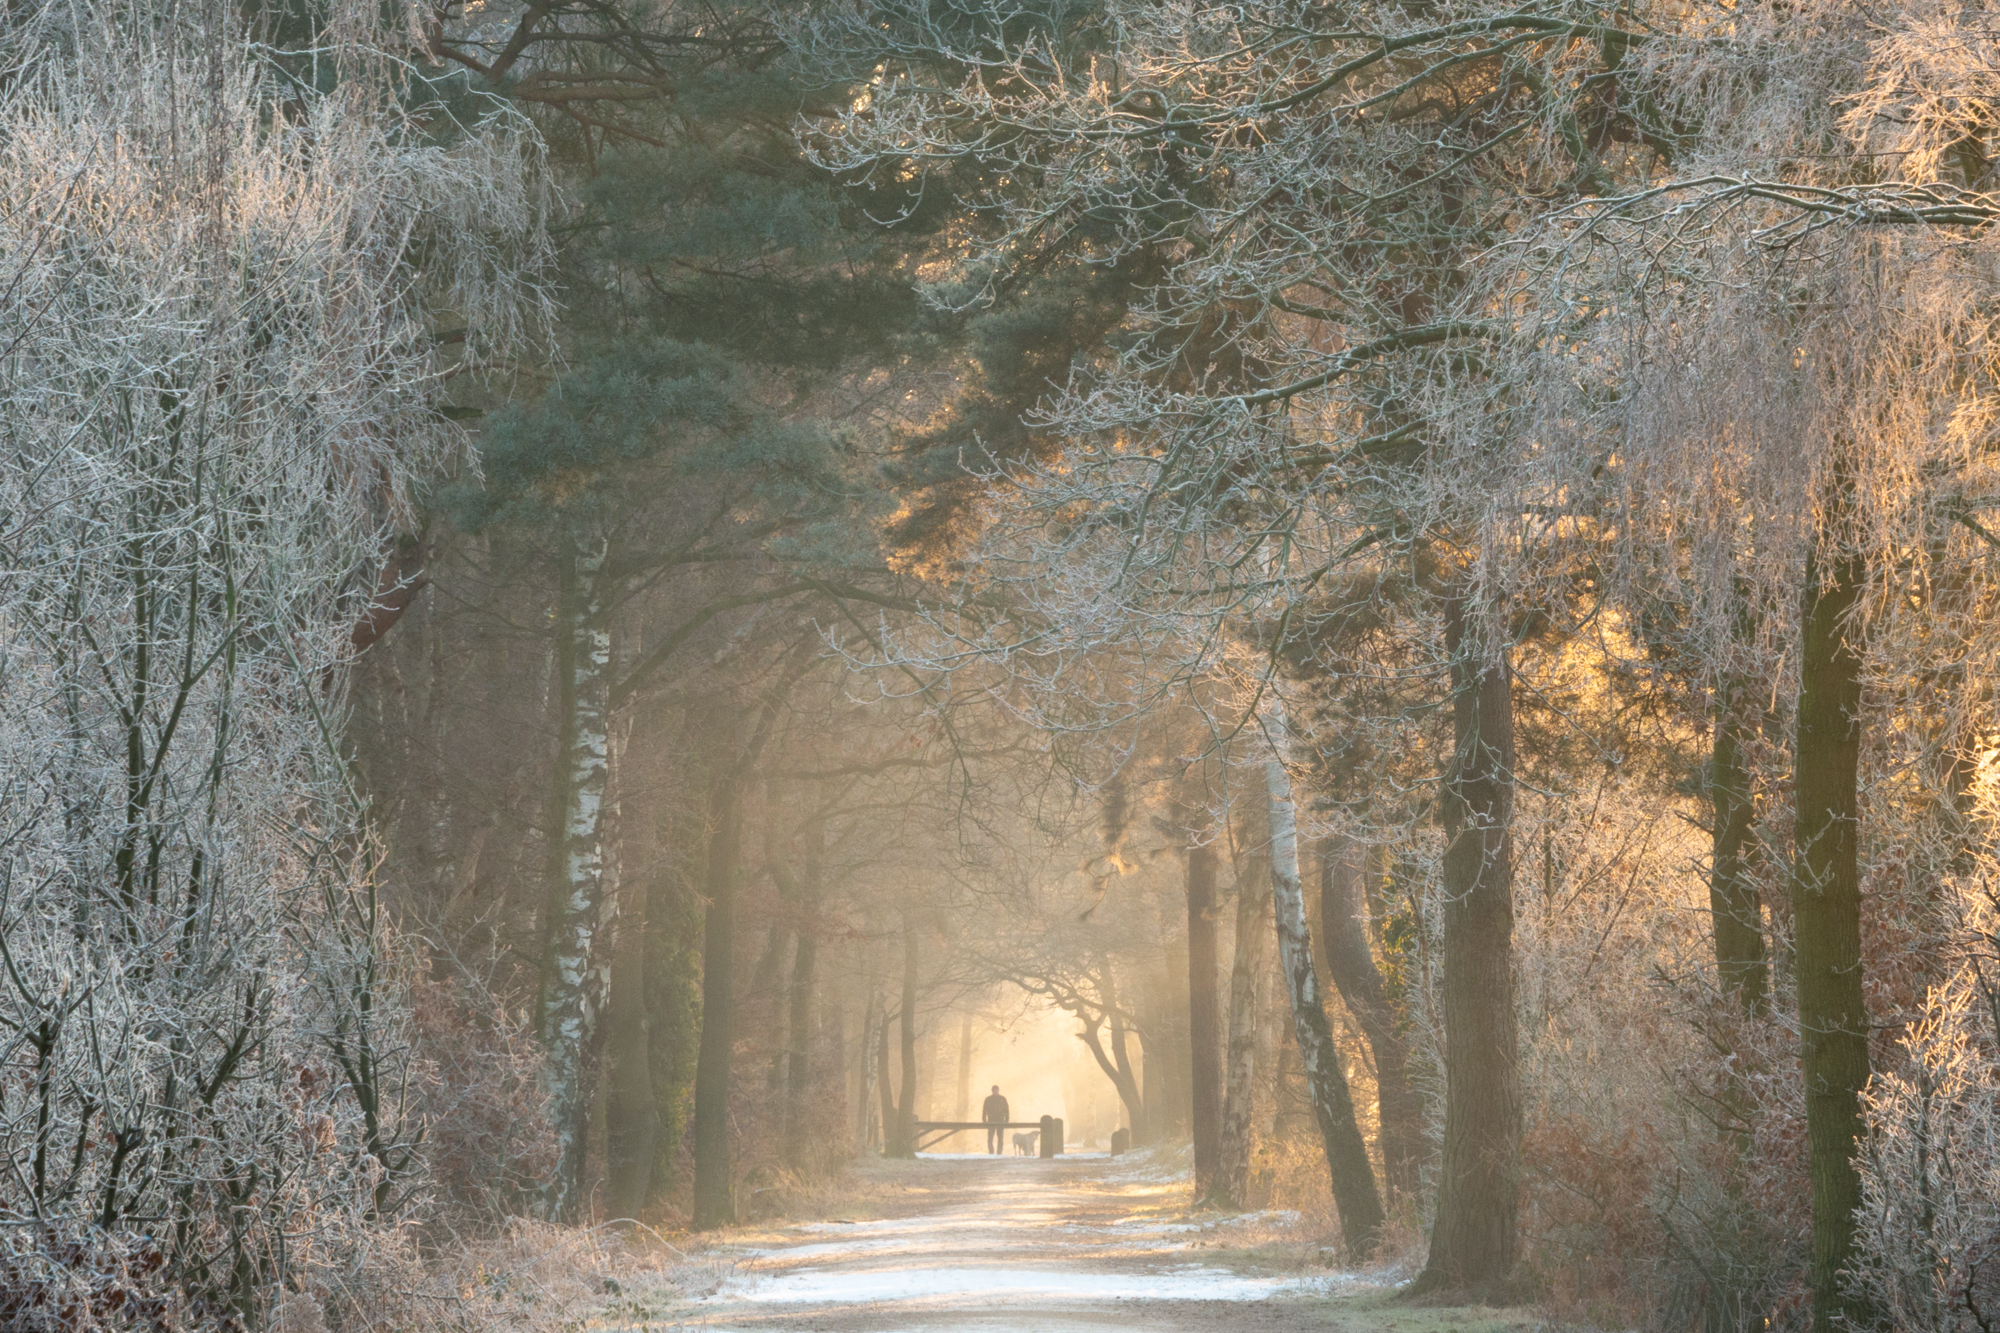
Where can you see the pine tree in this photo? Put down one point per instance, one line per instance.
(722, 293)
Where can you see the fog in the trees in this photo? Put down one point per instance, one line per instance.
(612, 613)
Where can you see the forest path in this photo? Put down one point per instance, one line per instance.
(1082, 1242)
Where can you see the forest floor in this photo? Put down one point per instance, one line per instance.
(1083, 1242)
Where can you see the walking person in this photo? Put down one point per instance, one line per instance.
(994, 1112)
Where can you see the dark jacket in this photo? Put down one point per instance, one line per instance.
(994, 1110)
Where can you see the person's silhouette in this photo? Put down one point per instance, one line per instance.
(994, 1113)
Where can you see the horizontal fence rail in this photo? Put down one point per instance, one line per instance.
(930, 1132)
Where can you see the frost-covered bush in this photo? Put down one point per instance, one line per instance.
(1930, 1222)
(217, 366)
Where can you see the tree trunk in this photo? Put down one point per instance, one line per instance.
(1350, 959)
(1118, 1070)
(798, 1061)
(1253, 905)
(906, 1104)
(1473, 1238)
(1138, 1114)
(437, 836)
(672, 977)
(885, 1088)
(774, 997)
(864, 1096)
(571, 994)
(1347, 1161)
(1826, 927)
(714, 1202)
(1204, 1036)
(831, 1022)
(1169, 1087)
(631, 1115)
(1733, 901)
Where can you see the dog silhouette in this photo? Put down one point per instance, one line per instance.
(1026, 1143)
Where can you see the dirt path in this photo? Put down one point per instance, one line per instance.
(979, 1243)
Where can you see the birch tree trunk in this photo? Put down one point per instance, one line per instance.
(572, 989)
(1253, 907)
(1350, 961)
(1333, 1105)
(1473, 1237)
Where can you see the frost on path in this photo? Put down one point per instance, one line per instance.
(1082, 1242)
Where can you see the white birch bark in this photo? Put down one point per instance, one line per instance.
(1333, 1106)
(574, 990)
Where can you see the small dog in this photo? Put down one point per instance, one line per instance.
(1026, 1144)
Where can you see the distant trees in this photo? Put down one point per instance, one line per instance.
(1319, 411)
(1283, 314)
(721, 305)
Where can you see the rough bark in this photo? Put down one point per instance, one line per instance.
(1353, 1175)
(1735, 908)
(1204, 1035)
(1826, 927)
(714, 1199)
(1350, 960)
(571, 995)
(1473, 1239)
(1253, 907)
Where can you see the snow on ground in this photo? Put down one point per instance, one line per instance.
(1013, 1285)
(1080, 1242)
(998, 1286)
